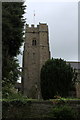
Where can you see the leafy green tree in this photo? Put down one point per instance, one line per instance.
(12, 39)
(56, 78)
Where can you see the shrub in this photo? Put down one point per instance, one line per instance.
(63, 113)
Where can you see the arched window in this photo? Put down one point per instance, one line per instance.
(34, 42)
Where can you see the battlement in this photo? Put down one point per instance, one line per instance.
(30, 26)
(33, 26)
(41, 27)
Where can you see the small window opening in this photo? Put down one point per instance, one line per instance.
(34, 42)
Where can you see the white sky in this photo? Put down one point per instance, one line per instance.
(62, 19)
(52, 0)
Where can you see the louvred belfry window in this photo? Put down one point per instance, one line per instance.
(34, 42)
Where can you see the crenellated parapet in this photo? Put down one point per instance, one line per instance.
(39, 28)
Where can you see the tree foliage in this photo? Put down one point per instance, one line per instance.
(12, 39)
(12, 72)
(56, 78)
(63, 112)
(12, 27)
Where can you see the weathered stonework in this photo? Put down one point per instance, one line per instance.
(76, 66)
(36, 53)
(78, 85)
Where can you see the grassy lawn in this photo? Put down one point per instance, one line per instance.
(38, 100)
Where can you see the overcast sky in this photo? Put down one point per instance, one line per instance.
(62, 20)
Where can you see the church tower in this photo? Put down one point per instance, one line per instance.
(36, 53)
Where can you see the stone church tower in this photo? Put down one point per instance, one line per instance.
(36, 53)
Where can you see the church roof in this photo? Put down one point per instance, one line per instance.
(74, 64)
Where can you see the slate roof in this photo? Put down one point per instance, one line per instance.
(75, 65)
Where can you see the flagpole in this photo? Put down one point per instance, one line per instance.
(34, 18)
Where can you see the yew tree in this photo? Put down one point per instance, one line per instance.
(56, 78)
(12, 39)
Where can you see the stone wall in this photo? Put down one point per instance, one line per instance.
(78, 84)
(78, 89)
(34, 109)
